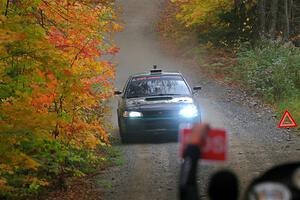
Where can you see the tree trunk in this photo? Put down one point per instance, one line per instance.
(237, 4)
(287, 20)
(291, 11)
(6, 10)
(295, 22)
(262, 20)
(274, 9)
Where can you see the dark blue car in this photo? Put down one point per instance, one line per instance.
(156, 103)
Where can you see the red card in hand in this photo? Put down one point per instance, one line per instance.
(215, 147)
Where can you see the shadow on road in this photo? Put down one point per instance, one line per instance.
(146, 138)
(151, 140)
(159, 138)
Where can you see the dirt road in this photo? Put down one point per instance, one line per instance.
(150, 171)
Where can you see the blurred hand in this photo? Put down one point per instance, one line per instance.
(199, 134)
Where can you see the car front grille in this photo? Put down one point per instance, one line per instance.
(160, 113)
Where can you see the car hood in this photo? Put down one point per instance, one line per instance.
(165, 101)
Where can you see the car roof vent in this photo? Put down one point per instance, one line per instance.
(155, 70)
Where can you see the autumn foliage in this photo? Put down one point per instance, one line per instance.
(53, 87)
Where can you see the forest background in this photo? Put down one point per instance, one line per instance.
(251, 44)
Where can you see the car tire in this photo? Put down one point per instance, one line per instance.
(124, 137)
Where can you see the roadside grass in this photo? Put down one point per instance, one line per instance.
(104, 184)
(271, 71)
(90, 185)
(115, 156)
(216, 63)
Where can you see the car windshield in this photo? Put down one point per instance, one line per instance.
(156, 86)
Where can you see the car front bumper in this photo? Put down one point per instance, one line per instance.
(153, 125)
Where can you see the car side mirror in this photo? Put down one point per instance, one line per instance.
(197, 88)
(117, 92)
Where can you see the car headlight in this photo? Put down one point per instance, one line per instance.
(132, 114)
(189, 111)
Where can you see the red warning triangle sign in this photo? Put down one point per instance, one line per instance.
(283, 124)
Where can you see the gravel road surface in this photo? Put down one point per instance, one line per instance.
(150, 170)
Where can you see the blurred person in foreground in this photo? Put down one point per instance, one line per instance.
(223, 185)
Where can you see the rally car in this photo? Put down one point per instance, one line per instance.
(156, 102)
